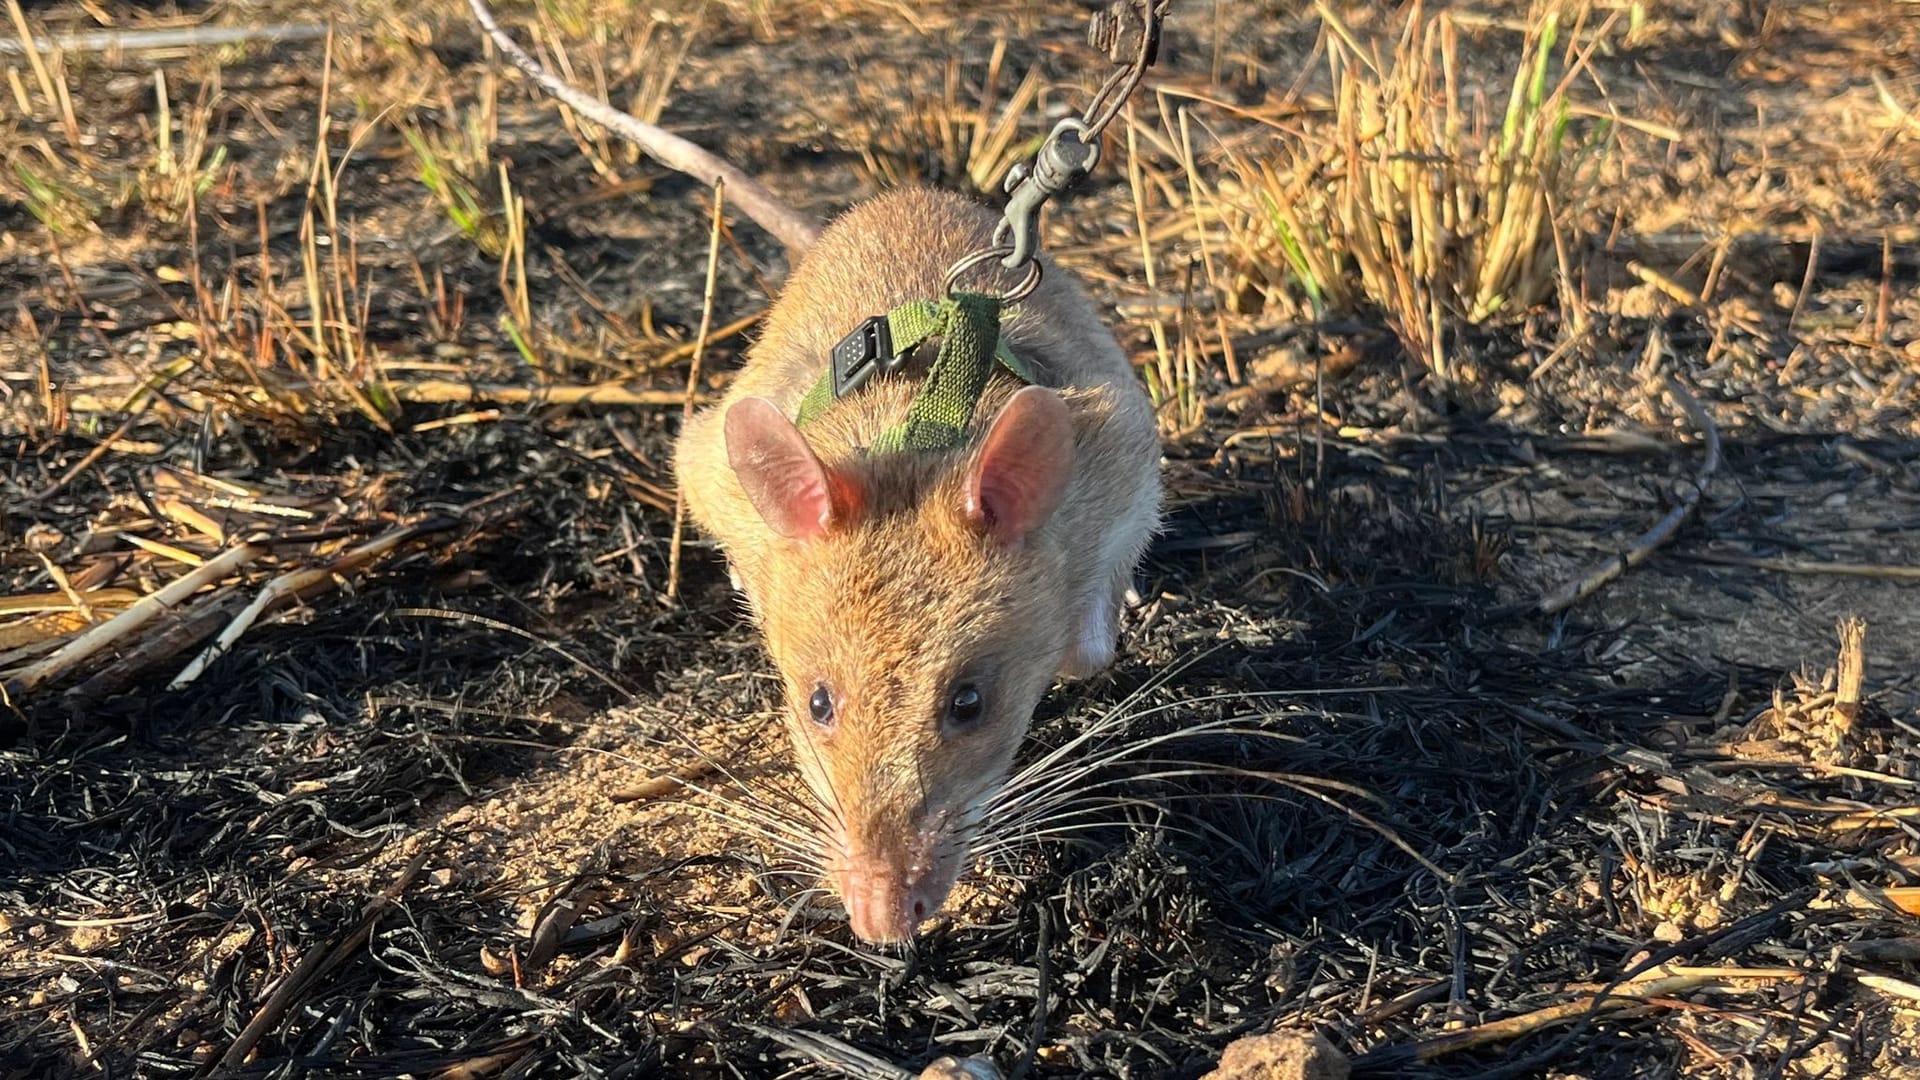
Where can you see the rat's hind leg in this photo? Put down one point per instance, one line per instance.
(1097, 627)
(1106, 592)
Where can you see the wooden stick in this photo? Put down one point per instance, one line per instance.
(1678, 292)
(794, 230)
(147, 609)
(434, 391)
(693, 385)
(1625, 996)
(164, 37)
(187, 628)
(1886, 984)
(687, 348)
(657, 787)
(1808, 566)
(1662, 531)
(91, 457)
(319, 959)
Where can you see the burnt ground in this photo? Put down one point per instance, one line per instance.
(410, 824)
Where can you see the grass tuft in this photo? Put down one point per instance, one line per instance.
(1411, 195)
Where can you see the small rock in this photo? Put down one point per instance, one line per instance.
(1281, 1055)
(953, 1068)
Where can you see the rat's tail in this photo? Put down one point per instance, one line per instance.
(789, 226)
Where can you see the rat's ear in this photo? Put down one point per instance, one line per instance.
(1021, 468)
(797, 495)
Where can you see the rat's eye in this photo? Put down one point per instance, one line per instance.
(821, 706)
(966, 707)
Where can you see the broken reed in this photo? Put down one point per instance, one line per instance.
(1412, 196)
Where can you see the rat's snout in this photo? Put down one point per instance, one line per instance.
(887, 902)
(893, 879)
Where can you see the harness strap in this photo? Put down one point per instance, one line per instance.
(968, 326)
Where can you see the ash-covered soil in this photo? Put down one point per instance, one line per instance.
(414, 826)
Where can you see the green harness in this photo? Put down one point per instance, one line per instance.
(968, 326)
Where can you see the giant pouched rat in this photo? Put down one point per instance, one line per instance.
(917, 604)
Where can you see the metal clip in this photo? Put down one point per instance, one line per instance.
(1129, 33)
(1063, 161)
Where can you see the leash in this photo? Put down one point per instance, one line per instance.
(968, 322)
(1129, 33)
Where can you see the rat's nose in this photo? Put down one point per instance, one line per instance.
(884, 904)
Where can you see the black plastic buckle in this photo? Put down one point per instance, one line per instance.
(862, 354)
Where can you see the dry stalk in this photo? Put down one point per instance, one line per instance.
(1662, 531)
(1886, 571)
(156, 38)
(289, 586)
(54, 90)
(676, 782)
(128, 622)
(1407, 197)
(1639, 994)
(181, 634)
(446, 391)
(92, 456)
(320, 959)
(1171, 394)
(693, 385)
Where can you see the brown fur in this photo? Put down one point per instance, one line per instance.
(891, 608)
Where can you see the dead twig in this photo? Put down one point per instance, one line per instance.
(191, 627)
(1631, 995)
(91, 457)
(164, 37)
(659, 787)
(319, 960)
(1662, 531)
(793, 229)
(1890, 986)
(447, 391)
(439, 391)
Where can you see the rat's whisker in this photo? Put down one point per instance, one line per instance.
(1091, 795)
(787, 845)
(1312, 787)
(730, 809)
(1173, 769)
(684, 741)
(1065, 774)
(1089, 819)
(1081, 835)
(1113, 724)
(835, 813)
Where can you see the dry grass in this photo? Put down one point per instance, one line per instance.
(1419, 193)
(952, 134)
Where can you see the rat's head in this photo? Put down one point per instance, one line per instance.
(916, 616)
